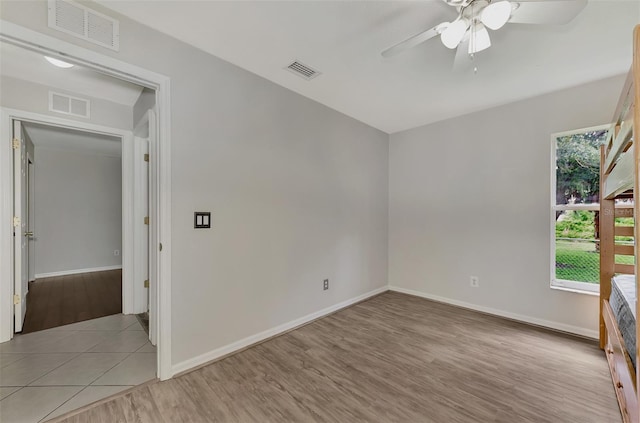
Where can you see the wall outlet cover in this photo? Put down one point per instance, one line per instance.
(474, 281)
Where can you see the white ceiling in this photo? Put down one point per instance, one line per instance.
(72, 140)
(343, 40)
(29, 66)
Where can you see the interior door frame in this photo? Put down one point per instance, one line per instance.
(160, 212)
(30, 217)
(143, 134)
(126, 138)
(19, 194)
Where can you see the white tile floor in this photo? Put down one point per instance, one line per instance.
(48, 373)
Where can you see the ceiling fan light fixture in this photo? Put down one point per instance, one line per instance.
(59, 63)
(479, 39)
(453, 34)
(495, 15)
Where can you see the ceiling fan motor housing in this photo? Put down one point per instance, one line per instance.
(463, 3)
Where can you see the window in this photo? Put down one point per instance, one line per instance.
(575, 253)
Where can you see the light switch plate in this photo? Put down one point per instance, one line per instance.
(201, 220)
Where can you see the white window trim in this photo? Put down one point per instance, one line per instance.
(561, 284)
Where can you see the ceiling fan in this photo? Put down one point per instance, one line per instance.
(468, 32)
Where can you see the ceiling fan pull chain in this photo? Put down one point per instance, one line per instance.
(475, 68)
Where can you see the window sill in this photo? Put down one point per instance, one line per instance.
(574, 290)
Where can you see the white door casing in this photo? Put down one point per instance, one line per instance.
(160, 259)
(30, 216)
(144, 142)
(141, 230)
(153, 176)
(21, 220)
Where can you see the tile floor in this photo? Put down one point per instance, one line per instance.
(48, 373)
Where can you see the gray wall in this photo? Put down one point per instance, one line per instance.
(298, 193)
(32, 97)
(78, 211)
(471, 196)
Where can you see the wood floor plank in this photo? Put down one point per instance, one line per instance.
(62, 300)
(141, 408)
(393, 358)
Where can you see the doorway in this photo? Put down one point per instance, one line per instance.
(80, 243)
(73, 221)
(159, 177)
(92, 357)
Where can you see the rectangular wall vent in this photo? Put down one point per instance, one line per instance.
(82, 22)
(68, 105)
(302, 70)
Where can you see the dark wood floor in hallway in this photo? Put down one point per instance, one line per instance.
(62, 300)
(393, 358)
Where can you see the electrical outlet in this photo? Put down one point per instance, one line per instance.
(325, 285)
(474, 281)
(116, 252)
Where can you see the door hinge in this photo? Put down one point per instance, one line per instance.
(16, 299)
(146, 220)
(146, 283)
(15, 143)
(16, 221)
(146, 157)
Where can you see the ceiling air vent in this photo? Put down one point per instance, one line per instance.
(302, 70)
(68, 105)
(82, 22)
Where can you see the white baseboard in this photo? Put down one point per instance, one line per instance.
(253, 339)
(513, 316)
(77, 271)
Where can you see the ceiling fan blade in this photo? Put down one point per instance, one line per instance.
(463, 60)
(415, 40)
(556, 12)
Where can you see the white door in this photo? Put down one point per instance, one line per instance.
(21, 220)
(153, 235)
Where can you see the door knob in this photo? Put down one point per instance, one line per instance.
(28, 233)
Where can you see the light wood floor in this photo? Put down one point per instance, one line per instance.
(62, 300)
(394, 358)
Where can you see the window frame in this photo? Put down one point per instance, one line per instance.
(562, 284)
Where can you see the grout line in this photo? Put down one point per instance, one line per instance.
(113, 367)
(53, 411)
(55, 368)
(133, 323)
(20, 389)
(20, 359)
(144, 345)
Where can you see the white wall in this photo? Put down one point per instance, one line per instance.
(29, 96)
(78, 211)
(471, 196)
(298, 193)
